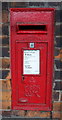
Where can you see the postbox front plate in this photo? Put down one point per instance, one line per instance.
(32, 58)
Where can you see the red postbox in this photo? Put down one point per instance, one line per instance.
(32, 41)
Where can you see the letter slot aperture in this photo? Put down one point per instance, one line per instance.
(29, 28)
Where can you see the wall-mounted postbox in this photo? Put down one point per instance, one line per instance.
(32, 34)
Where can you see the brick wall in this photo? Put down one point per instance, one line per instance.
(5, 79)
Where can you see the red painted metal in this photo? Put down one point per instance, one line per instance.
(32, 25)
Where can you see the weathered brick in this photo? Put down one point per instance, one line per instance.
(0, 112)
(0, 14)
(4, 5)
(37, 114)
(61, 96)
(37, 4)
(6, 113)
(18, 4)
(5, 29)
(58, 85)
(56, 115)
(0, 74)
(57, 15)
(4, 40)
(18, 113)
(6, 96)
(0, 29)
(5, 51)
(57, 106)
(0, 84)
(55, 96)
(0, 104)
(0, 63)
(58, 64)
(4, 74)
(0, 95)
(3, 37)
(0, 42)
(60, 115)
(57, 29)
(5, 16)
(58, 41)
(5, 85)
(45, 114)
(61, 15)
(8, 75)
(58, 54)
(5, 63)
(54, 4)
(33, 114)
(57, 51)
(6, 104)
(61, 107)
(58, 75)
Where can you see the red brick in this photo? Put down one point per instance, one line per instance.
(5, 95)
(57, 106)
(55, 96)
(45, 114)
(61, 115)
(61, 107)
(3, 37)
(5, 90)
(5, 73)
(56, 115)
(5, 85)
(6, 113)
(5, 63)
(0, 97)
(61, 96)
(6, 105)
(18, 113)
(4, 16)
(37, 114)
(0, 63)
(0, 84)
(33, 114)
(8, 76)
(0, 112)
(5, 51)
(59, 55)
(5, 29)
(0, 14)
(0, 104)
(18, 4)
(0, 29)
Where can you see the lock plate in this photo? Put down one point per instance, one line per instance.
(31, 45)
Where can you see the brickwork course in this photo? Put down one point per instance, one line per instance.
(5, 79)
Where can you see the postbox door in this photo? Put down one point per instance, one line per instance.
(31, 68)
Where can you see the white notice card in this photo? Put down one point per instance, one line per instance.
(31, 60)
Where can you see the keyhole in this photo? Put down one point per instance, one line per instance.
(23, 78)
